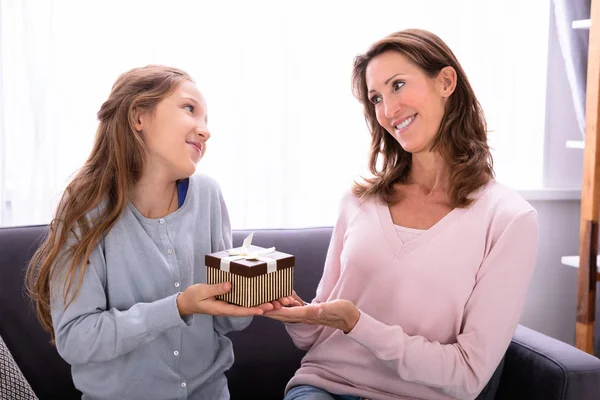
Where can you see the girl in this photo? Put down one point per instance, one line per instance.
(118, 280)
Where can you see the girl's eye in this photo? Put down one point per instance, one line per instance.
(375, 99)
(189, 107)
(397, 85)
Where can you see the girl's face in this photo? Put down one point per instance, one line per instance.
(175, 132)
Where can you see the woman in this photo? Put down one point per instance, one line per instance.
(430, 258)
(119, 281)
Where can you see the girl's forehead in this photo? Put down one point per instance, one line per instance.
(188, 89)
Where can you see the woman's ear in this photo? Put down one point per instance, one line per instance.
(447, 80)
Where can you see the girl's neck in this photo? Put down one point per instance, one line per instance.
(155, 197)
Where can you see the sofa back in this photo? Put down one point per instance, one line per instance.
(265, 357)
(29, 344)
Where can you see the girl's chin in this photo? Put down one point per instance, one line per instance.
(187, 170)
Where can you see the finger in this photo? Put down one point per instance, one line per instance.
(294, 303)
(224, 308)
(216, 290)
(293, 314)
(284, 301)
(276, 305)
(297, 298)
(266, 306)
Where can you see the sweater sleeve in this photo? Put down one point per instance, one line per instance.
(305, 335)
(88, 331)
(491, 315)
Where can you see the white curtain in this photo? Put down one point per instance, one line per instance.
(574, 48)
(288, 138)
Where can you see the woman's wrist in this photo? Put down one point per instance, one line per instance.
(351, 320)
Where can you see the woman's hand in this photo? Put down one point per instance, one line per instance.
(200, 299)
(291, 301)
(338, 314)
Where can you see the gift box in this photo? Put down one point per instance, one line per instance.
(257, 274)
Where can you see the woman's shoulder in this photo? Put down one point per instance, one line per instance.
(350, 205)
(350, 200)
(502, 204)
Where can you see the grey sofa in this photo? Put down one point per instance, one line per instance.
(535, 366)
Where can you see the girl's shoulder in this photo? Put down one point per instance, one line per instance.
(204, 189)
(204, 183)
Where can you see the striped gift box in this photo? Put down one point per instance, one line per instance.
(253, 281)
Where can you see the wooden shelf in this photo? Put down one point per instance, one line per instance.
(573, 261)
(587, 275)
(575, 144)
(581, 24)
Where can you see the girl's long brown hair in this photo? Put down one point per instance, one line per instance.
(114, 166)
(461, 138)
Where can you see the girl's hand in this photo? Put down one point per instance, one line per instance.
(200, 299)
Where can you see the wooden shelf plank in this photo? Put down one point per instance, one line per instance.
(573, 261)
(581, 24)
(587, 275)
(575, 144)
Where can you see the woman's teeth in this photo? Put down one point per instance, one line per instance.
(405, 123)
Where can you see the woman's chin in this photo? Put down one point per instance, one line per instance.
(414, 147)
(409, 147)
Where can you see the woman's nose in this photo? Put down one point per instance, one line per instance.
(390, 108)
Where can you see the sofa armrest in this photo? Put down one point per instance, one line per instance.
(540, 367)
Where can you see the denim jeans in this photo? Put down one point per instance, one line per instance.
(306, 392)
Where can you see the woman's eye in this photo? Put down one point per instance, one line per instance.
(376, 99)
(397, 85)
(189, 107)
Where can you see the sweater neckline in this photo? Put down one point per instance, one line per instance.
(168, 217)
(399, 247)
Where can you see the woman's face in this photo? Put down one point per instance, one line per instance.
(408, 103)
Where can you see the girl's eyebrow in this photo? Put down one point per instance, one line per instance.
(193, 100)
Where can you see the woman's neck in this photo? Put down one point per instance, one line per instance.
(430, 172)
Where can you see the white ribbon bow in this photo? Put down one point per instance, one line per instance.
(244, 253)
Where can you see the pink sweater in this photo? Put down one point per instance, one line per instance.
(437, 312)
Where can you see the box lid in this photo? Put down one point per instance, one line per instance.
(250, 268)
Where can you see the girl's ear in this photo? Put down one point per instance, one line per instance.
(138, 120)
